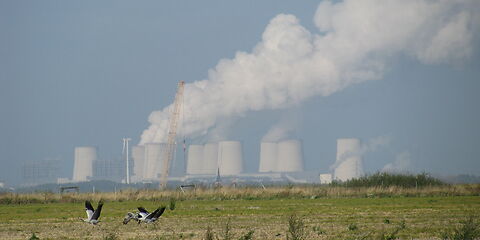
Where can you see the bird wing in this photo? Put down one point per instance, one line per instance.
(151, 215)
(96, 214)
(142, 210)
(160, 212)
(89, 209)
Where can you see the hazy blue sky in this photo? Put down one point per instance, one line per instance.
(76, 73)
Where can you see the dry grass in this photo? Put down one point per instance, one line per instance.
(246, 193)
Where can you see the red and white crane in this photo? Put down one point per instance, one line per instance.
(172, 133)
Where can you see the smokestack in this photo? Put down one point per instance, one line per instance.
(210, 159)
(268, 157)
(349, 159)
(290, 156)
(82, 168)
(138, 157)
(195, 159)
(230, 157)
(153, 160)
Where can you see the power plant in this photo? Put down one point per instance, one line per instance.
(268, 157)
(83, 163)
(153, 161)
(349, 160)
(195, 159)
(230, 158)
(278, 161)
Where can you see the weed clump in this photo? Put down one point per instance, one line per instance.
(34, 237)
(296, 228)
(468, 230)
(209, 235)
(172, 204)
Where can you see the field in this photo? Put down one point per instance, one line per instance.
(231, 216)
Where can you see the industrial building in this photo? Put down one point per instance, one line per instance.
(349, 159)
(278, 162)
(83, 163)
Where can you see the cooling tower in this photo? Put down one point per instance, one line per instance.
(138, 157)
(210, 159)
(82, 168)
(153, 160)
(230, 157)
(195, 159)
(290, 157)
(268, 157)
(349, 161)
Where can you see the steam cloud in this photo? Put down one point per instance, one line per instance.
(355, 41)
(370, 146)
(401, 164)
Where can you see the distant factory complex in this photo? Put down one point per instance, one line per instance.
(281, 161)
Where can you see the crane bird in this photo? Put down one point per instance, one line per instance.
(93, 214)
(147, 217)
(130, 216)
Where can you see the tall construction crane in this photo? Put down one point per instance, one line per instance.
(172, 133)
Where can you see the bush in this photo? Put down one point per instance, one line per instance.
(388, 180)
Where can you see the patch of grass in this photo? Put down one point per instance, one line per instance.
(352, 227)
(172, 204)
(248, 235)
(296, 228)
(227, 230)
(209, 234)
(469, 229)
(322, 218)
(34, 237)
(110, 236)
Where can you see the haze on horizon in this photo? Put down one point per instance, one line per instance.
(90, 73)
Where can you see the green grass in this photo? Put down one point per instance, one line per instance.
(323, 218)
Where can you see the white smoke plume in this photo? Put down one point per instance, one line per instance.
(401, 164)
(370, 146)
(285, 128)
(355, 41)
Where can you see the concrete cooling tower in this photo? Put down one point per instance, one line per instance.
(230, 157)
(153, 160)
(290, 156)
(138, 157)
(195, 159)
(349, 161)
(268, 157)
(210, 159)
(82, 167)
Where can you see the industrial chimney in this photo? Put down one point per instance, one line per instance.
(268, 157)
(82, 168)
(195, 159)
(138, 157)
(153, 160)
(210, 159)
(349, 160)
(290, 156)
(230, 157)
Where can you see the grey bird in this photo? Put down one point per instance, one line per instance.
(146, 217)
(130, 216)
(93, 214)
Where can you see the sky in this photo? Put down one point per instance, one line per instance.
(87, 73)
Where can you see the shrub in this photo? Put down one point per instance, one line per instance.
(468, 230)
(382, 179)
